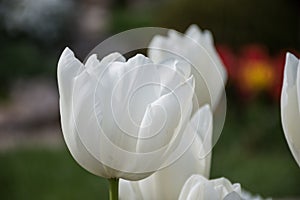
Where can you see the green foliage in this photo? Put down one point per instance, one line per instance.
(44, 174)
(252, 150)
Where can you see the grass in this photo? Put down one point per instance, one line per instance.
(251, 150)
(271, 175)
(46, 174)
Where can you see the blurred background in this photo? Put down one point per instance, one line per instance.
(252, 38)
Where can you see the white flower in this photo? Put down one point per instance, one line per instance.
(247, 196)
(197, 48)
(198, 187)
(167, 183)
(124, 119)
(290, 104)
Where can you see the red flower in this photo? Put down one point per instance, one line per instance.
(255, 71)
(229, 60)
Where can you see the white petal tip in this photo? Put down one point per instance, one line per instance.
(67, 52)
(193, 28)
(91, 60)
(139, 59)
(157, 39)
(140, 56)
(67, 56)
(113, 57)
(290, 69)
(116, 55)
(290, 56)
(291, 60)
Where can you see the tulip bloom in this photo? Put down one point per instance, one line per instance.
(198, 187)
(167, 183)
(290, 104)
(197, 48)
(124, 119)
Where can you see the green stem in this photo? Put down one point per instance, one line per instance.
(113, 188)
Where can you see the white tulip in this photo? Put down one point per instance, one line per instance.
(167, 183)
(124, 119)
(197, 48)
(198, 187)
(290, 104)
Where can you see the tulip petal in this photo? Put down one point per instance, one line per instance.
(290, 105)
(129, 96)
(92, 63)
(68, 68)
(224, 186)
(172, 73)
(207, 67)
(201, 37)
(166, 180)
(198, 187)
(87, 114)
(163, 116)
(159, 185)
(233, 196)
(129, 190)
(96, 68)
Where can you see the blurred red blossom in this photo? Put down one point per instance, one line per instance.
(256, 72)
(230, 61)
(252, 71)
